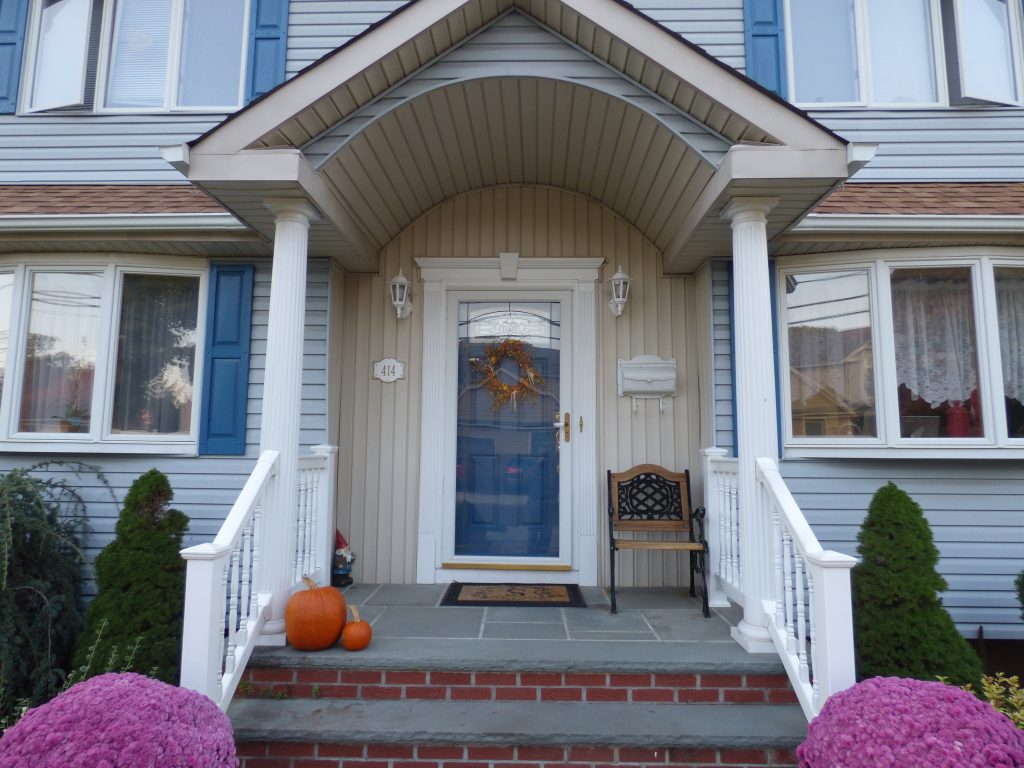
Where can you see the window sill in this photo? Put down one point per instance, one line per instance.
(93, 447)
(955, 451)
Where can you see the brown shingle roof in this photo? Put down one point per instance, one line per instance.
(69, 199)
(945, 198)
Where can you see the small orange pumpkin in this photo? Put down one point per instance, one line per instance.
(357, 634)
(314, 618)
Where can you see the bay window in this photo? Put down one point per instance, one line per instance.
(907, 53)
(100, 354)
(897, 351)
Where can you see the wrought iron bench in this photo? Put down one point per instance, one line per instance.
(650, 499)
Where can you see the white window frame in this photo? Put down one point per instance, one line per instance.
(939, 48)
(104, 60)
(994, 442)
(173, 65)
(99, 438)
(28, 75)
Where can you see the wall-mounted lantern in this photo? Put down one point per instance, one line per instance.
(398, 288)
(620, 292)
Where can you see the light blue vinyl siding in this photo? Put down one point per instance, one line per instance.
(721, 351)
(975, 509)
(94, 149)
(975, 144)
(205, 487)
(316, 27)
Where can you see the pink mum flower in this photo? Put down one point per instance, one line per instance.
(892, 722)
(121, 721)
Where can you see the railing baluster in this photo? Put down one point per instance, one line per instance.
(813, 629)
(778, 579)
(787, 573)
(801, 621)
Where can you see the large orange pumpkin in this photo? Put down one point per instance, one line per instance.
(314, 618)
(356, 634)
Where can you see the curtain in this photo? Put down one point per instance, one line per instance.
(933, 326)
(1010, 308)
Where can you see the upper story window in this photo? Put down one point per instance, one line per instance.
(902, 351)
(904, 52)
(100, 354)
(113, 55)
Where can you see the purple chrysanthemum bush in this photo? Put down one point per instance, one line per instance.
(894, 722)
(121, 721)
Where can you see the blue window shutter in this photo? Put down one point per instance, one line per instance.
(226, 362)
(268, 46)
(13, 15)
(765, 42)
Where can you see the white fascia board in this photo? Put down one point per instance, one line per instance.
(938, 223)
(283, 167)
(721, 84)
(660, 46)
(313, 84)
(745, 162)
(122, 222)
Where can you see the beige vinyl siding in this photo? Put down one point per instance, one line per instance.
(379, 423)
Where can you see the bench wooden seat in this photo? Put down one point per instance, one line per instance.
(651, 499)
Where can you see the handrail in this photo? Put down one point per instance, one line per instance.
(810, 619)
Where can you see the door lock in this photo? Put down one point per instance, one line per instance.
(568, 427)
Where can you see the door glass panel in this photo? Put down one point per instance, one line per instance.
(506, 466)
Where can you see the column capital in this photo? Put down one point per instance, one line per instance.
(744, 209)
(295, 209)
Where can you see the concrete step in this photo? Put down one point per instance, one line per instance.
(303, 733)
(499, 670)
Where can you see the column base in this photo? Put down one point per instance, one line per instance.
(752, 638)
(273, 638)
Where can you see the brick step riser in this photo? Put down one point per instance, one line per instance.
(329, 755)
(598, 687)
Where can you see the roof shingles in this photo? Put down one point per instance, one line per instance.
(124, 199)
(927, 198)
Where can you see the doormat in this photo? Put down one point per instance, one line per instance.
(522, 595)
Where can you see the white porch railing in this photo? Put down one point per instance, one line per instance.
(810, 618)
(225, 606)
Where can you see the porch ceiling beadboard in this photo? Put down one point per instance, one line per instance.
(447, 96)
(378, 472)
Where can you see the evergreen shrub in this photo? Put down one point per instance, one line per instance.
(902, 628)
(42, 521)
(136, 619)
(1020, 593)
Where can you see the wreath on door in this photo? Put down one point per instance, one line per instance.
(503, 392)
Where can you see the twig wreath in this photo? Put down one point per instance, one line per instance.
(529, 379)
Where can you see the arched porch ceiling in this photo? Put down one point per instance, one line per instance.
(667, 160)
(490, 132)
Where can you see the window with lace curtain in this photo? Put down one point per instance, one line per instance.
(100, 354)
(900, 351)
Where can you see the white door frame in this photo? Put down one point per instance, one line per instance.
(441, 276)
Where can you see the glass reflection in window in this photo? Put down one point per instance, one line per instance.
(6, 294)
(831, 380)
(60, 355)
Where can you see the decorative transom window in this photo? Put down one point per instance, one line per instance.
(100, 354)
(899, 351)
(136, 55)
(909, 53)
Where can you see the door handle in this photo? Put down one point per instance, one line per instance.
(568, 427)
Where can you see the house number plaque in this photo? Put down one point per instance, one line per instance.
(389, 370)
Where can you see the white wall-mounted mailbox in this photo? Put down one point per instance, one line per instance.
(647, 377)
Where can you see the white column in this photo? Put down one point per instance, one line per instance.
(755, 407)
(282, 397)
